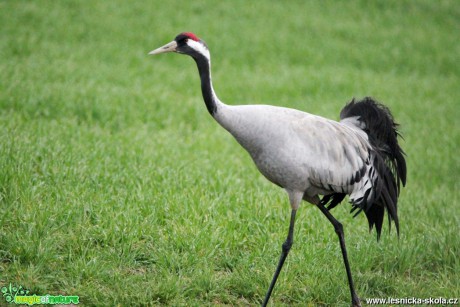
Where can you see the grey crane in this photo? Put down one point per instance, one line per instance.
(309, 156)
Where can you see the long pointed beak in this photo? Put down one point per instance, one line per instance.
(169, 47)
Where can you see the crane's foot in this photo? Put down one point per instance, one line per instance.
(355, 302)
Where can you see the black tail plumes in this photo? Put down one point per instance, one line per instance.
(388, 158)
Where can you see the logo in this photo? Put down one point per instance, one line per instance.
(14, 294)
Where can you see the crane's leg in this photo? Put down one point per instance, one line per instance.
(284, 252)
(339, 230)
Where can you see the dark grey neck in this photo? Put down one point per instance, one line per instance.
(206, 84)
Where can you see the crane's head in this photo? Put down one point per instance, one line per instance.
(185, 43)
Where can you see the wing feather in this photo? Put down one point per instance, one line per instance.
(337, 154)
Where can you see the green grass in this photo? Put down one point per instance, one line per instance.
(117, 186)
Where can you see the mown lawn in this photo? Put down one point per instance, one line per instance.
(117, 186)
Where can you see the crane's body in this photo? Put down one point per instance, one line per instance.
(309, 155)
(283, 143)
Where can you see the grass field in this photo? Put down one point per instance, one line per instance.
(117, 186)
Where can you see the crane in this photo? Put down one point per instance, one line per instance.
(309, 155)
